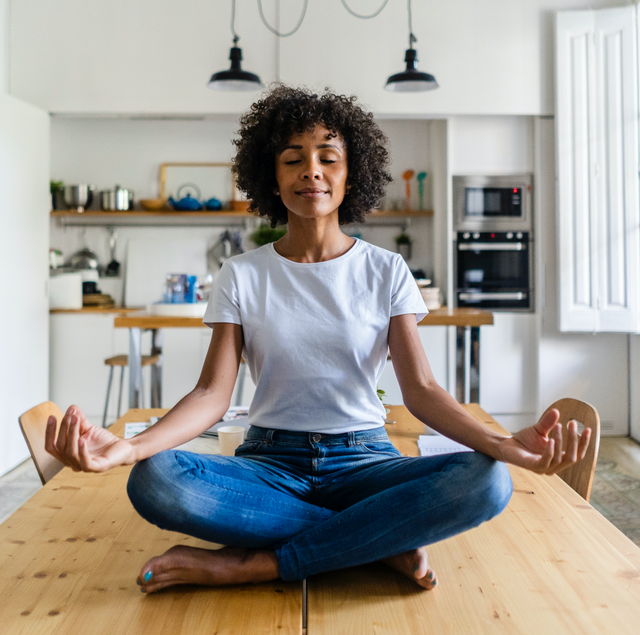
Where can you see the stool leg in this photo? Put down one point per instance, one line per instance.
(120, 393)
(106, 405)
(142, 387)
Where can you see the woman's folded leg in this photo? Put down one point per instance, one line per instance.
(228, 500)
(397, 505)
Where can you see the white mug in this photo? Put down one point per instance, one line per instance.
(230, 438)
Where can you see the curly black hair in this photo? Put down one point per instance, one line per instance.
(285, 111)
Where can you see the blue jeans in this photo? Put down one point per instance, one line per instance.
(321, 501)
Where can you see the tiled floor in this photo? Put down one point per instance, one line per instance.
(615, 493)
(16, 487)
(616, 486)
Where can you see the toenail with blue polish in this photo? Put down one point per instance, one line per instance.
(147, 576)
(431, 575)
(138, 582)
(416, 568)
(435, 582)
(142, 591)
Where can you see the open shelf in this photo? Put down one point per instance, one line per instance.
(171, 217)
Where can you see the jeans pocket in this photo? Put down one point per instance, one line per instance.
(248, 447)
(384, 448)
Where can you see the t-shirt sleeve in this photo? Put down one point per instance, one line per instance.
(405, 295)
(224, 305)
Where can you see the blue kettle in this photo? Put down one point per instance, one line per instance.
(187, 203)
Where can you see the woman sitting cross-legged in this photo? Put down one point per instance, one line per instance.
(317, 485)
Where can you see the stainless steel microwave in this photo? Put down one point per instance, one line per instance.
(493, 203)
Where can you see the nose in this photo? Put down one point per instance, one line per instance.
(311, 170)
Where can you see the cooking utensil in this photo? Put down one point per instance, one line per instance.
(421, 177)
(113, 268)
(188, 203)
(78, 197)
(407, 176)
(84, 259)
(124, 198)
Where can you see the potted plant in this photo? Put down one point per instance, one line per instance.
(56, 187)
(403, 245)
(266, 234)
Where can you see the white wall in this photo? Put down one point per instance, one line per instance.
(109, 151)
(5, 16)
(24, 336)
(493, 57)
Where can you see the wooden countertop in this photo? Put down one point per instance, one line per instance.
(457, 317)
(437, 317)
(97, 309)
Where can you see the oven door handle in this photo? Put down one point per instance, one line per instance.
(491, 246)
(480, 295)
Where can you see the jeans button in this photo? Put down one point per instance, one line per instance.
(317, 437)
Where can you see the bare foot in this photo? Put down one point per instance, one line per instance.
(191, 565)
(415, 565)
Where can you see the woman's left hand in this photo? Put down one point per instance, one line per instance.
(539, 447)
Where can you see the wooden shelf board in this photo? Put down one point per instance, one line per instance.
(172, 214)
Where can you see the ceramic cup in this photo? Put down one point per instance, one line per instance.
(230, 438)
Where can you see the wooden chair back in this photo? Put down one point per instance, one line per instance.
(580, 475)
(33, 424)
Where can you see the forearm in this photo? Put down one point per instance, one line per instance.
(192, 415)
(433, 405)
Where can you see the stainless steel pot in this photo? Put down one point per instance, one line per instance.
(78, 197)
(107, 200)
(119, 199)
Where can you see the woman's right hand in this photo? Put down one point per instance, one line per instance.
(85, 447)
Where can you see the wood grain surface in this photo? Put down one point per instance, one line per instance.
(550, 563)
(437, 317)
(70, 555)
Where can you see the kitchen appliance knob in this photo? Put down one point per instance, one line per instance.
(466, 235)
(476, 235)
(519, 235)
(509, 235)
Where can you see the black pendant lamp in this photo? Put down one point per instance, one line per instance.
(235, 79)
(411, 80)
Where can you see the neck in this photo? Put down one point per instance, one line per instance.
(313, 239)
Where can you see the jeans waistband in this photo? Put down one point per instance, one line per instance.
(271, 435)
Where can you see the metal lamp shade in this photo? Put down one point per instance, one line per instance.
(411, 80)
(235, 79)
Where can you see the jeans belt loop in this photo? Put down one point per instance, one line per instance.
(352, 438)
(270, 437)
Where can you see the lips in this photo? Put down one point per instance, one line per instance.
(310, 192)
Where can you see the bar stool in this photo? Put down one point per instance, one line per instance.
(123, 361)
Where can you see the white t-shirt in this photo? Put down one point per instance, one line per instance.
(315, 334)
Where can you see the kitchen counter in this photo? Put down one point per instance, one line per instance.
(444, 316)
(93, 310)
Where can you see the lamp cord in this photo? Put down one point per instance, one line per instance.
(412, 37)
(275, 31)
(364, 17)
(236, 37)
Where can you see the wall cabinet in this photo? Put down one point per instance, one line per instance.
(597, 146)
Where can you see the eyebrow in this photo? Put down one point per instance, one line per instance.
(322, 145)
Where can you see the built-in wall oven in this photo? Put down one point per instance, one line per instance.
(493, 242)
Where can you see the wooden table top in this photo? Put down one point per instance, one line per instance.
(69, 558)
(437, 317)
(549, 564)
